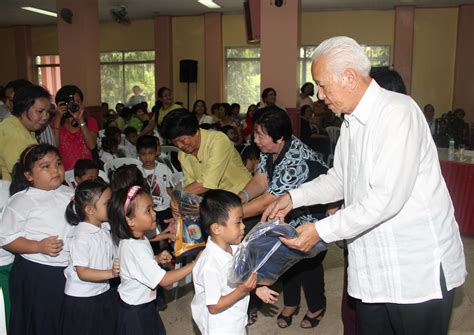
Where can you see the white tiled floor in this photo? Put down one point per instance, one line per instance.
(177, 317)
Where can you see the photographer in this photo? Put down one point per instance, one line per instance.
(75, 134)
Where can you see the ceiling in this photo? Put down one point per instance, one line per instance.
(11, 14)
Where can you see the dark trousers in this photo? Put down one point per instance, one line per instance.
(348, 305)
(309, 274)
(429, 317)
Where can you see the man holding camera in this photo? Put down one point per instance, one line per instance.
(75, 134)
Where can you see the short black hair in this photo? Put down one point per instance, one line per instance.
(129, 130)
(227, 109)
(227, 128)
(108, 142)
(276, 123)
(147, 142)
(26, 96)
(179, 122)
(82, 165)
(388, 79)
(125, 113)
(126, 176)
(267, 91)
(215, 207)
(112, 131)
(137, 107)
(67, 90)
(162, 90)
(15, 85)
(306, 84)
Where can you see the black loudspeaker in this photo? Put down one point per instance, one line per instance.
(188, 70)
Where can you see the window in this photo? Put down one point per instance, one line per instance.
(48, 72)
(379, 55)
(120, 71)
(242, 76)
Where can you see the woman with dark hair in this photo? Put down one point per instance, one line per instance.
(286, 163)
(247, 124)
(165, 99)
(269, 96)
(307, 91)
(30, 113)
(76, 135)
(200, 110)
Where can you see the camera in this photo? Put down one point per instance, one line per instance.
(72, 106)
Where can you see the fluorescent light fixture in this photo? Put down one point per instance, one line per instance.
(40, 11)
(209, 3)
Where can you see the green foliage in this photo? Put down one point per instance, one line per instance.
(120, 71)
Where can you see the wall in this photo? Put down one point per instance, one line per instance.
(44, 40)
(434, 57)
(118, 37)
(366, 27)
(188, 43)
(7, 56)
(233, 31)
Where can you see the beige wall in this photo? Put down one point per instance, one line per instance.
(139, 35)
(233, 31)
(188, 43)
(44, 40)
(8, 69)
(433, 57)
(366, 27)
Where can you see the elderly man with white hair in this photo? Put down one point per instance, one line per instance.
(405, 251)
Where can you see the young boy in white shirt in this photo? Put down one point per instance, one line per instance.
(219, 307)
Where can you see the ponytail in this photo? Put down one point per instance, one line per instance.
(71, 216)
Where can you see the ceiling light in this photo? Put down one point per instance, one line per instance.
(40, 11)
(209, 3)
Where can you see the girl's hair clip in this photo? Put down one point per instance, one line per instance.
(131, 194)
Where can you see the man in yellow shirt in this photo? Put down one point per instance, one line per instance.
(208, 158)
(30, 113)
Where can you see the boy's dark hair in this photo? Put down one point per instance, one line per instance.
(67, 90)
(147, 142)
(276, 123)
(250, 152)
(227, 128)
(87, 193)
(235, 105)
(25, 98)
(215, 207)
(267, 91)
(125, 177)
(108, 143)
(26, 162)
(82, 165)
(117, 216)
(125, 113)
(112, 131)
(179, 122)
(388, 79)
(136, 108)
(129, 130)
(227, 109)
(215, 107)
(162, 90)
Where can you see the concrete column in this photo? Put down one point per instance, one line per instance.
(23, 52)
(163, 52)
(403, 42)
(279, 43)
(213, 58)
(464, 68)
(79, 48)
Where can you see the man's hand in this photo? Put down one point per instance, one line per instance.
(307, 237)
(282, 206)
(267, 295)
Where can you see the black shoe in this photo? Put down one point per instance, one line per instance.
(287, 319)
(313, 321)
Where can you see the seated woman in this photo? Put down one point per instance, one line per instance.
(200, 110)
(285, 164)
(165, 99)
(312, 132)
(75, 134)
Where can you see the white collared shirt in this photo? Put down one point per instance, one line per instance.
(36, 214)
(399, 218)
(140, 274)
(90, 247)
(210, 284)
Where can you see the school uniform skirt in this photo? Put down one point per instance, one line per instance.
(4, 284)
(90, 315)
(36, 295)
(139, 320)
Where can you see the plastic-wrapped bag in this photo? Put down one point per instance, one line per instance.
(262, 251)
(189, 233)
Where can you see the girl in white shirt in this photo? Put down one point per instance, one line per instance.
(131, 214)
(89, 304)
(33, 227)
